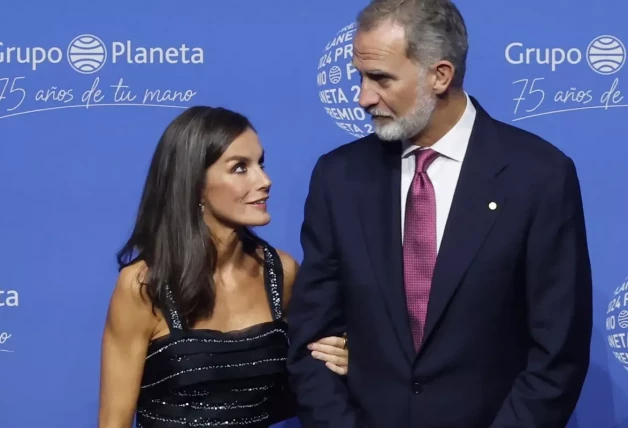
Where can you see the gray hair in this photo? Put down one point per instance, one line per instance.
(434, 29)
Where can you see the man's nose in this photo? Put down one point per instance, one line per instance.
(368, 97)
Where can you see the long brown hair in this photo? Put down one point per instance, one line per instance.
(170, 235)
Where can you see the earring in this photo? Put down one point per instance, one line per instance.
(202, 207)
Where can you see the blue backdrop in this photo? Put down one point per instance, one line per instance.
(85, 92)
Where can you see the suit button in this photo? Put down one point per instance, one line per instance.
(416, 387)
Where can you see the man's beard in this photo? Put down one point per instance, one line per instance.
(407, 126)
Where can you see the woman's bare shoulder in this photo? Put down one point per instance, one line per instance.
(130, 304)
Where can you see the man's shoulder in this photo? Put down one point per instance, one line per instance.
(526, 147)
(356, 153)
(350, 162)
(363, 146)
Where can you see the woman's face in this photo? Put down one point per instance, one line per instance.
(236, 186)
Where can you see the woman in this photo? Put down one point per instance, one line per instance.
(196, 328)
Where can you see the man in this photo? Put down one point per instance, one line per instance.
(451, 246)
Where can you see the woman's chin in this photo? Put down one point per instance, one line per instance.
(261, 219)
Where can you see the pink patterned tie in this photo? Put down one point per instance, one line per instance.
(419, 243)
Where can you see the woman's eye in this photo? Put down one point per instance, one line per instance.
(239, 168)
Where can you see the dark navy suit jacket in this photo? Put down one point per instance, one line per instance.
(510, 313)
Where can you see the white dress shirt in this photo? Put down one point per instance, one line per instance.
(443, 172)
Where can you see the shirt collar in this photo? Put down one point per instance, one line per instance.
(454, 143)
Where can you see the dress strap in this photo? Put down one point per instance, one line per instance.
(172, 316)
(273, 279)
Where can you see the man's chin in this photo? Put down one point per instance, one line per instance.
(386, 133)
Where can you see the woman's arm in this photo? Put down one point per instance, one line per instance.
(128, 329)
(333, 351)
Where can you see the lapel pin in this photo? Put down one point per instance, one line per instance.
(492, 206)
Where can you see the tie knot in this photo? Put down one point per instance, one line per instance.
(424, 158)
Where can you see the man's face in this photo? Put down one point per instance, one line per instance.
(395, 91)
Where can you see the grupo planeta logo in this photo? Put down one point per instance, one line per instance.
(25, 86)
(338, 84)
(546, 81)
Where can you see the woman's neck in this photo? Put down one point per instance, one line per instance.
(229, 248)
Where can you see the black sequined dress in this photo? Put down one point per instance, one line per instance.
(208, 378)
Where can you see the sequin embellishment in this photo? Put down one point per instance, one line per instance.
(274, 287)
(208, 378)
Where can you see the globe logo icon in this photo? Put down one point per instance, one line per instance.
(335, 75)
(622, 319)
(606, 55)
(617, 324)
(338, 84)
(87, 54)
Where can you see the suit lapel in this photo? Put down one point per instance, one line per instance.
(470, 218)
(380, 215)
(469, 222)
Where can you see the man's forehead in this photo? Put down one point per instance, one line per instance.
(383, 41)
(378, 55)
(386, 31)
